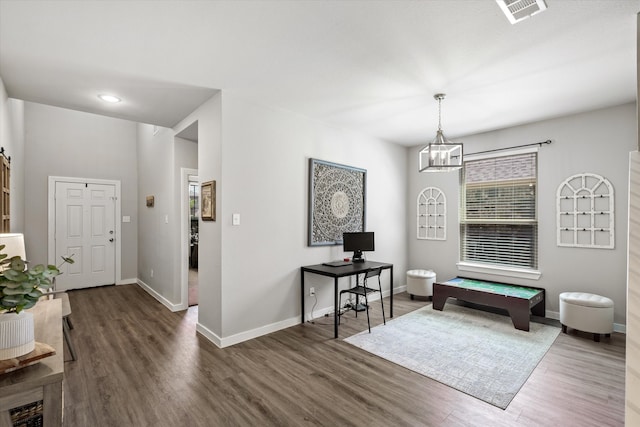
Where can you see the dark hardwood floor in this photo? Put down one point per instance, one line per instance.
(141, 365)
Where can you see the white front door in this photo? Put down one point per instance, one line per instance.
(85, 230)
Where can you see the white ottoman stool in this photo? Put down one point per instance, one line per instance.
(587, 313)
(420, 282)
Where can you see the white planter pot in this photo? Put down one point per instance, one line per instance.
(16, 335)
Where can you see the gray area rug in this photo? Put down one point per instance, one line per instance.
(476, 352)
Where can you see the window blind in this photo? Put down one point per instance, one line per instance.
(498, 219)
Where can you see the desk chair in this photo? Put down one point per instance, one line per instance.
(363, 290)
(14, 246)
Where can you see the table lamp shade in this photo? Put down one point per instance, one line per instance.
(13, 245)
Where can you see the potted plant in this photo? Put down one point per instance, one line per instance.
(21, 288)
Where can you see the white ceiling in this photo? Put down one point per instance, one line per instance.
(372, 66)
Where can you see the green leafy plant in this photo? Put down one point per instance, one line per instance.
(21, 287)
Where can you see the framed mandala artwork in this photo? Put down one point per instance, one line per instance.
(337, 196)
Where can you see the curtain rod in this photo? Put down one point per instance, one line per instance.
(4, 155)
(548, 141)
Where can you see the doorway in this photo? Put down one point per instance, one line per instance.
(83, 225)
(189, 216)
(189, 236)
(194, 208)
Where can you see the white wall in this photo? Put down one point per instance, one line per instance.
(61, 142)
(598, 142)
(160, 158)
(186, 154)
(265, 154)
(12, 139)
(209, 117)
(250, 282)
(158, 225)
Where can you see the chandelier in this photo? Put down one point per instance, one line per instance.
(440, 154)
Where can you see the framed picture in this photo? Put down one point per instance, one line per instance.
(337, 196)
(208, 201)
(150, 201)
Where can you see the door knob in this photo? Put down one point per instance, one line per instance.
(111, 239)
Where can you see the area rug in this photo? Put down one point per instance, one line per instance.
(476, 352)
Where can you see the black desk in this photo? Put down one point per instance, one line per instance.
(338, 272)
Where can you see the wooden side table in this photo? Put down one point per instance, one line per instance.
(42, 381)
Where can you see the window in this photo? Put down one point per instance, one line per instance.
(498, 220)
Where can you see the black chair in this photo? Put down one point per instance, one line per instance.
(362, 291)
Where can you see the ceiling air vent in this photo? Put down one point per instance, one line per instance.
(517, 10)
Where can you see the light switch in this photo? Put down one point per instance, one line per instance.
(166, 219)
(126, 218)
(235, 219)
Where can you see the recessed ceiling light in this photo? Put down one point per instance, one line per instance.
(109, 98)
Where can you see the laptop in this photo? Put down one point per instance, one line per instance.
(337, 263)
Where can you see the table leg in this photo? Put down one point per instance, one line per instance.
(302, 294)
(391, 291)
(519, 313)
(336, 308)
(5, 419)
(520, 319)
(357, 306)
(438, 299)
(539, 309)
(52, 404)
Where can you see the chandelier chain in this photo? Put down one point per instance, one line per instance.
(439, 97)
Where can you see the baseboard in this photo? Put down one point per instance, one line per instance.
(315, 314)
(329, 310)
(246, 335)
(398, 290)
(171, 306)
(273, 327)
(209, 334)
(617, 327)
(127, 282)
(267, 329)
(258, 332)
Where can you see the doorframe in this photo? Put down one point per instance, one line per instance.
(51, 215)
(184, 236)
